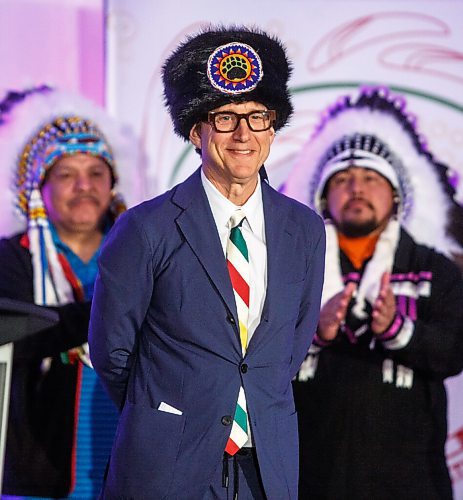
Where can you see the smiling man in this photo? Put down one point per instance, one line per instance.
(208, 296)
(370, 395)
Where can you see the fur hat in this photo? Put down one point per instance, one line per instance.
(226, 64)
(375, 129)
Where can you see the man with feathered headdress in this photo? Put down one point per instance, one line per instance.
(61, 423)
(208, 295)
(370, 394)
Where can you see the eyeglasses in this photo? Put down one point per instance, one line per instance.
(228, 121)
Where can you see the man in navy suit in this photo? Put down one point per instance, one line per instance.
(166, 334)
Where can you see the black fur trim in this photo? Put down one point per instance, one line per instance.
(188, 93)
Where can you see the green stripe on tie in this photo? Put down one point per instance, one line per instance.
(238, 240)
(240, 418)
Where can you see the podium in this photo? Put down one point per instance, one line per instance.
(17, 320)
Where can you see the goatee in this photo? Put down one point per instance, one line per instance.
(357, 230)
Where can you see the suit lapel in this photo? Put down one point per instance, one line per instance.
(197, 224)
(278, 236)
(198, 227)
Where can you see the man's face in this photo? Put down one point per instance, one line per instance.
(233, 157)
(359, 201)
(77, 193)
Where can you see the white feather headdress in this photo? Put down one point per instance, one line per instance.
(24, 113)
(428, 193)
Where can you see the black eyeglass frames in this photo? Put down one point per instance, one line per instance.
(228, 121)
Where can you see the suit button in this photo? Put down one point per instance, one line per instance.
(244, 368)
(231, 319)
(227, 420)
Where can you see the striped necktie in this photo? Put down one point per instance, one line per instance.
(238, 268)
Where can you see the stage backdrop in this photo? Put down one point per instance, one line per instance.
(414, 47)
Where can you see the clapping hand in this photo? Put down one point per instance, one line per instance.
(384, 308)
(333, 313)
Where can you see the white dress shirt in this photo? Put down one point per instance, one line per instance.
(253, 229)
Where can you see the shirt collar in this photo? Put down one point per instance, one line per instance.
(66, 250)
(222, 208)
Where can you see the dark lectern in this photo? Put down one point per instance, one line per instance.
(17, 320)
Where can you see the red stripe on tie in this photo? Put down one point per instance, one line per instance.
(231, 447)
(240, 286)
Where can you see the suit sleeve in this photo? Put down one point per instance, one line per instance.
(310, 304)
(122, 294)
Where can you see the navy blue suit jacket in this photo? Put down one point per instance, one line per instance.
(164, 330)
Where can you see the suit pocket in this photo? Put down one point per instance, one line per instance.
(144, 453)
